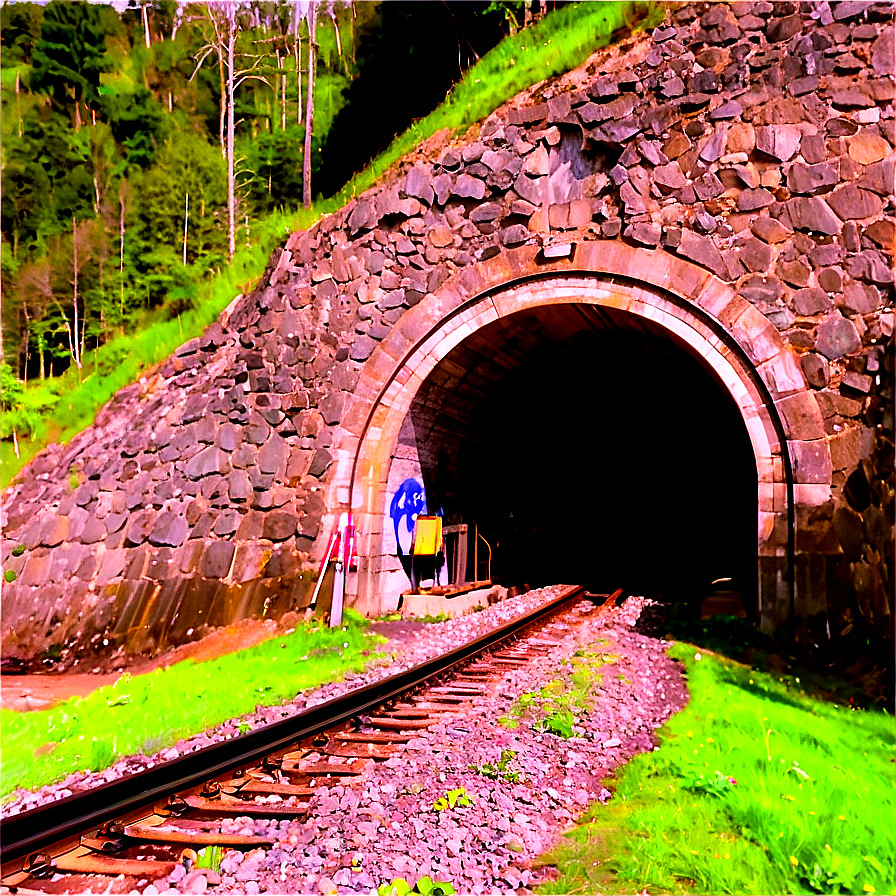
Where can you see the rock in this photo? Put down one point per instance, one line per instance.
(669, 177)
(728, 110)
(778, 141)
(762, 289)
(216, 559)
(851, 98)
(883, 233)
(362, 348)
(837, 336)
(209, 460)
(644, 234)
(755, 255)
(750, 200)
(861, 298)
(702, 250)
(54, 531)
(514, 235)
(815, 369)
(882, 53)
(782, 29)
(811, 300)
(418, 186)
(853, 203)
(866, 148)
(856, 382)
(811, 179)
(469, 187)
(273, 455)
(632, 199)
(528, 189)
(170, 530)
(811, 214)
(486, 212)
(279, 525)
(320, 463)
(796, 272)
(363, 216)
(770, 230)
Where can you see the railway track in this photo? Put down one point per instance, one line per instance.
(141, 827)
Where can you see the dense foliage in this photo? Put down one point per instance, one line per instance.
(117, 217)
(115, 154)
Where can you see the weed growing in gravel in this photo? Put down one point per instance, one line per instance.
(156, 710)
(554, 708)
(451, 799)
(426, 886)
(209, 857)
(758, 788)
(500, 769)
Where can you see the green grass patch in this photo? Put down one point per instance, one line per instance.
(561, 41)
(758, 787)
(147, 713)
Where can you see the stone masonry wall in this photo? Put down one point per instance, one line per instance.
(753, 139)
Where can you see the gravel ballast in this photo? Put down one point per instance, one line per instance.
(413, 648)
(356, 838)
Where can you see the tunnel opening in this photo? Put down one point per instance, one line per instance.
(585, 444)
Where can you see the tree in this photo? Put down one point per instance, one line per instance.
(70, 56)
(311, 18)
(226, 25)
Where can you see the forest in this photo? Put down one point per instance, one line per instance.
(144, 145)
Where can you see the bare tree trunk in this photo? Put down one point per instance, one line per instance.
(309, 113)
(145, 11)
(231, 127)
(186, 219)
(223, 111)
(297, 51)
(282, 92)
(74, 344)
(122, 193)
(18, 104)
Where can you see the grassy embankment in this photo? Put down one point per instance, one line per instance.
(759, 786)
(148, 713)
(558, 43)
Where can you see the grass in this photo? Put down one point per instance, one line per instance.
(148, 713)
(561, 41)
(758, 787)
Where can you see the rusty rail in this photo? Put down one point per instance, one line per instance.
(66, 819)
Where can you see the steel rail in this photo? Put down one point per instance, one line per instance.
(36, 829)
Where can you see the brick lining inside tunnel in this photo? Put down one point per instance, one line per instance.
(697, 313)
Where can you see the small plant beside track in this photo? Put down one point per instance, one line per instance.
(553, 708)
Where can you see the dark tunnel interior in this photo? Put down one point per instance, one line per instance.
(590, 446)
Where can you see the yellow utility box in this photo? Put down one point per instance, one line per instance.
(427, 536)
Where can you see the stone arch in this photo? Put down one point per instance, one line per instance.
(738, 343)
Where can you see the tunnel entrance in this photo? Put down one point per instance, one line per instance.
(586, 444)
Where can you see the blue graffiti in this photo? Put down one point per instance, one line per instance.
(409, 502)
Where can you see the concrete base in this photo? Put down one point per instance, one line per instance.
(417, 605)
(723, 603)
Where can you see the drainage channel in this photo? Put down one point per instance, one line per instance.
(141, 827)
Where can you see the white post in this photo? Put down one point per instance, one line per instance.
(343, 558)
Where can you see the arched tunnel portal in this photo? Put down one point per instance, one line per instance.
(595, 427)
(583, 443)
